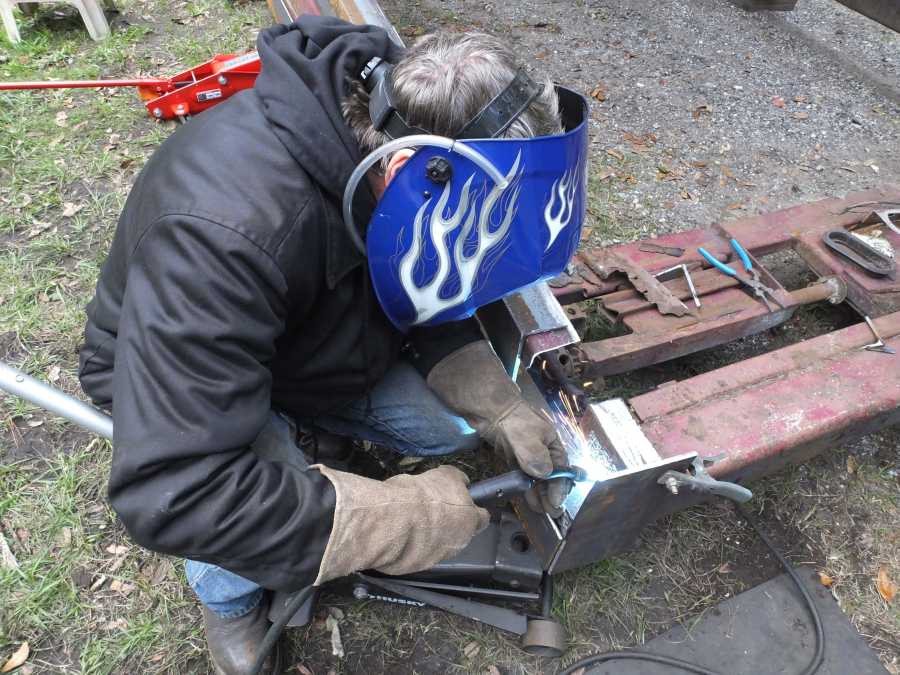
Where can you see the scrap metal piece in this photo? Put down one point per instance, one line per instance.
(879, 345)
(647, 284)
(673, 251)
(683, 268)
(858, 251)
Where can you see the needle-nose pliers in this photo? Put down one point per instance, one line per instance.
(759, 289)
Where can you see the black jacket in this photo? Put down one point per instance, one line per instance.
(231, 288)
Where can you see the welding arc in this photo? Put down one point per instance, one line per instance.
(636, 655)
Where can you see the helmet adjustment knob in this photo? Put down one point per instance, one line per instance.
(439, 169)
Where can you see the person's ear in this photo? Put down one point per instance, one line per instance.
(398, 159)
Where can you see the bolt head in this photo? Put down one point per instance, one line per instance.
(223, 80)
(360, 592)
(157, 112)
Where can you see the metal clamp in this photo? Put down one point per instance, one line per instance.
(700, 481)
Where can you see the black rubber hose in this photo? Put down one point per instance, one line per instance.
(636, 655)
(819, 655)
(276, 629)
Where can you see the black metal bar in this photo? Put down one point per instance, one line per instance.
(498, 617)
(473, 590)
(547, 597)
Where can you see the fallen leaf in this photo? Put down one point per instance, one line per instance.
(337, 646)
(53, 374)
(599, 92)
(800, 99)
(606, 173)
(34, 423)
(735, 207)
(612, 152)
(70, 209)
(159, 657)
(886, 586)
(17, 659)
(639, 143)
(303, 670)
(117, 549)
(65, 537)
(98, 583)
(698, 165)
(725, 568)
(825, 580)
(702, 109)
(62, 118)
(778, 102)
(852, 464)
(801, 115)
(471, 650)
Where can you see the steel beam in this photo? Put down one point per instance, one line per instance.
(779, 408)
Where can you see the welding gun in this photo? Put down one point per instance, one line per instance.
(516, 483)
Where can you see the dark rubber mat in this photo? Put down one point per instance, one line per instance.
(764, 631)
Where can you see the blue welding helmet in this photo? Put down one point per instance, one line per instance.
(466, 222)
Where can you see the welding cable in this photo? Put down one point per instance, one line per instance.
(636, 655)
(819, 655)
(276, 629)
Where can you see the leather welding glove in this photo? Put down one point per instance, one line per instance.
(402, 525)
(473, 382)
(548, 495)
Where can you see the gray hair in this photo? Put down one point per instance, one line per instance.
(443, 81)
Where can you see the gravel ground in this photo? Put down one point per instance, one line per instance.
(701, 76)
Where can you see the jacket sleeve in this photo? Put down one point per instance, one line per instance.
(201, 311)
(429, 345)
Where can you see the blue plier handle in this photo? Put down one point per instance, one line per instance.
(722, 267)
(759, 289)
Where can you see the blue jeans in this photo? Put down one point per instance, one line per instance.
(403, 414)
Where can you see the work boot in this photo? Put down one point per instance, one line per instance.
(234, 643)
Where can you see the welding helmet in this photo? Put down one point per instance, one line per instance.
(467, 221)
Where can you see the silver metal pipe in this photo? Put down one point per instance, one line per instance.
(54, 400)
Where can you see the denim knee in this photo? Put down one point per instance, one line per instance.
(451, 435)
(224, 592)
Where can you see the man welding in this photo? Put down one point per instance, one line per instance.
(234, 298)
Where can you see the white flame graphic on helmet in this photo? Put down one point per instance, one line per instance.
(562, 196)
(471, 213)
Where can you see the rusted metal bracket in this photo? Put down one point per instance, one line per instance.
(605, 263)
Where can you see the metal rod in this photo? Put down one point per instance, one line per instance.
(54, 400)
(83, 84)
(690, 282)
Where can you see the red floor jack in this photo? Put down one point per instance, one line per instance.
(187, 93)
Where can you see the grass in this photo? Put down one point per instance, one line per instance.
(84, 149)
